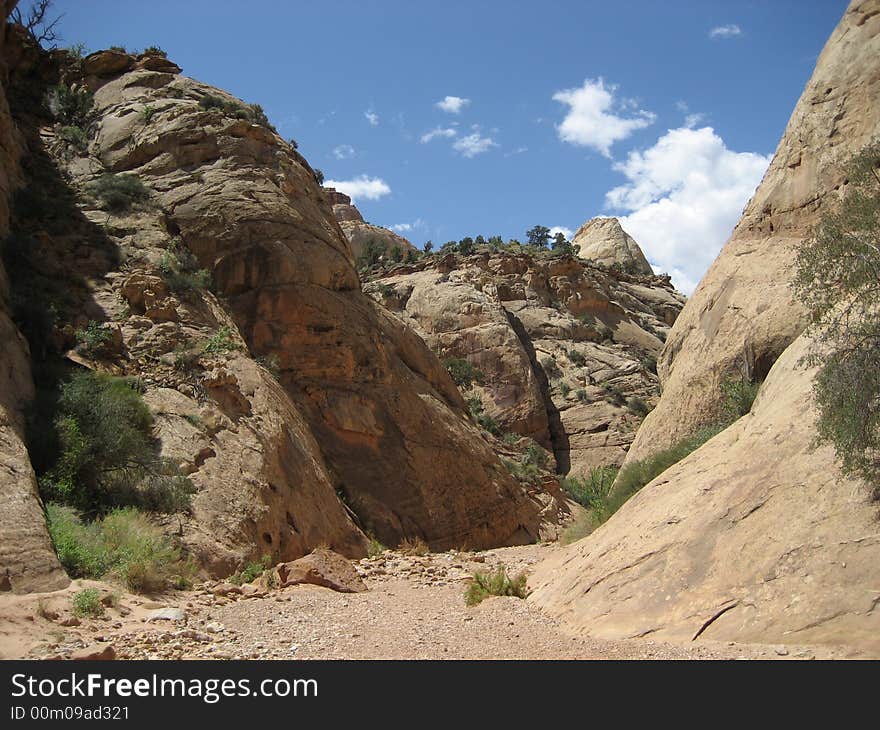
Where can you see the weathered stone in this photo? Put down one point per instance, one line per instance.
(604, 241)
(321, 568)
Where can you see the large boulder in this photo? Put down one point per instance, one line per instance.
(743, 314)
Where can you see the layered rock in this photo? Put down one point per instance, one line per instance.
(348, 438)
(358, 232)
(743, 314)
(27, 560)
(604, 241)
(757, 535)
(560, 345)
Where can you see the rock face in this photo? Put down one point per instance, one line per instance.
(302, 412)
(560, 344)
(604, 241)
(357, 231)
(733, 542)
(321, 568)
(27, 560)
(756, 536)
(743, 314)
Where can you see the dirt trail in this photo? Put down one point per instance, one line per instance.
(414, 609)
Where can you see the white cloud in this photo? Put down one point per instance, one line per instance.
(418, 223)
(452, 104)
(692, 120)
(473, 144)
(683, 197)
(372, 117)
(343, 152)
(567, 232)
(591, 120)
(361, 187)
(447, 132)
(725, 31)
(517, 151)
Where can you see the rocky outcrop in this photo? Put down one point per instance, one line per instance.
(27, 560)
(757, 535)
(358, 232)
(604, 241)
(560, 345)
(337, 430)
(743, 314)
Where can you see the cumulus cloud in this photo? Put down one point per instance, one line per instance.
(725, 31)
(452, 104)
(361, 187)
(447, 132)
(473, 144)
(372, 117)
(417, 224)
(567, 232)
(593, 119)
(683, 197)
(343, 152)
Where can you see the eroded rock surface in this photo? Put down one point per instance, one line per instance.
(604, 241)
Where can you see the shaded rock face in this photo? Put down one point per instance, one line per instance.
(348, 438)
(733, 542)
(604, 241)
(27, 560)
(358, 232)
(743, 314)
(554, 339)
(757, 535)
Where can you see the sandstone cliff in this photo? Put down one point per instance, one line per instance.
(313, 417)
(604, 241)
(742, 315)
(560, 344)
(357, 231)
(27, 560)
(756, 536)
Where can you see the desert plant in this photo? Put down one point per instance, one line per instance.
(272, 363)
(154, 51)
(837, 277)
(738, 395)
(374, 547)
(414, 546)
(118, 193)
(251, 571)
(564, 388)
(578, 358)
(463, 373)
(93, 340)
(87, 602)
(222, 341)
(637, 406)
(497, 583)
(550, 367)
(591, 491)
(613, 395)
(71, 106)
(75, 136)
(581, 395)
(180, 270)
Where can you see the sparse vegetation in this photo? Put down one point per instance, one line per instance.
(614, 395)
(75, 136)
(414, 546)
(71, 106)
(87, 603)
(592, 491)
(180, 270)
(738, 396)
(251, 571)
(93, 340)
(496, 583)
(637, 406)
(485, 421)
(837, 277)
(118, 193)
(374, 547)
(122, 545)
(577, 358)
(463, 373)
(107, 457)
(154, 51)
(272, 363)
(252, 113)
(550, 367)
(221, 342)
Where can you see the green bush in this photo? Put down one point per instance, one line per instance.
(108, 457)
(75, 136)
(251, 571)
(497, 583)
(577, 358)
(463, 373)
(837, 278)
(371, 254)
(550, 367)
(87, 602)
(375, 548)
(485, 421)
(592, 491)
(564, 388)
(222, 341)
(154, 51)
(122, 545)
(637, 406)
(93, 340)
(118, 193)
(253, 113)
(180, 270)
(613, 395)
(71, 107)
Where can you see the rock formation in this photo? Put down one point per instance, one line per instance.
(756, 536)
(604, 241)
(561, 345)
(743, 315)
(358, 232)
(302, 412)
(27, 560)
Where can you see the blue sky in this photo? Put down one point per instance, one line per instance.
(463, 118)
